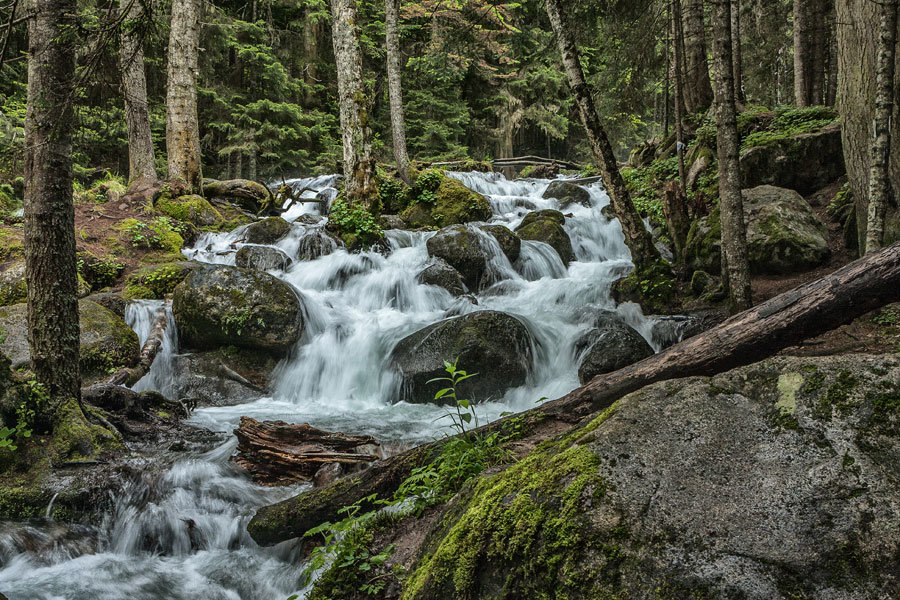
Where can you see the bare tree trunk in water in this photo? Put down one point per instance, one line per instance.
(735, 264)
(698, 93)
(736, 56)
(802, 53)
(879, 181)
(141, 161)
(643, 253)
(182, 128)
(395, 90)
(359, 164)
(53, 332)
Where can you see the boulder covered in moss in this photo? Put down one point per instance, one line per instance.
(266, 231)
(806, 162)
(438, 272)
(450, 203)
(494, 344)
(464, 249)
(783, 234)
(509, 242)
(249, 195)
(608, 345)
(262, 258)
(773, 481)
(158, 281)
(13, 287)
(191, 209)
(230, 306)
(547, 226)
(567, 193)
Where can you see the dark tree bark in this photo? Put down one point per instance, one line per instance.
(359, 162)
(182, 127)
(675, 205)
(395, 89)
(879, 182)
(802, 53)
(735, 263)
(643, 254)
(141, 161)
(53, 332)
(698, 94)
(785, 320)
(736, 54)
(817, 52)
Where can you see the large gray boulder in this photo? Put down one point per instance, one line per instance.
(609, 345)
(262, 258)
(463, 249)
(438, 272)
(266, 231)
(221, 306)
(509, 241)
(223, 377)
(779, 480)
(783, 234)
(547, 226)
(493, 344)
(567, 193)
(806, 162)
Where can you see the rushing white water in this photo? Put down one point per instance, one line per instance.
(182, 534)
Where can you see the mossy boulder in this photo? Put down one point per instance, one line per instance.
(805, 163)
(418, 216)
(450, 203)
(249, 195)
(230, 306)
(493, 344)
(13, 286)
(191, 209)
(158, 281)
(266, 231)
(509, 242)
(775, 480)
(463, 249)
(568, 193)
(608, 345)
(783, 234)
(438, 272)
(262, 258)
(315, 243)
(547, 226)
(11, 243)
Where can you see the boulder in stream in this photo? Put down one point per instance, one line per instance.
(221, 306)
(567, 193)
(463, 249)
(493, 344)
(266, 231)
(438, 272)
(262, 258)
(547, 226)
(509, 241)
(609, 345)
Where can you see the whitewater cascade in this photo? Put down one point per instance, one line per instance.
(182, 534)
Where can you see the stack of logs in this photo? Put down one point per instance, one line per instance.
(279, 453)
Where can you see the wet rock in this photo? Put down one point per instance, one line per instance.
(463, 250)
(224, 377)
(306, 219)
(509, 241)
(224, 305)
(392, 222)
(608, 346)
(13, 287)
(438, 272)
(783, 234)
(266, 231)
(155, 282)
(454, 204)
(770, 481)
(493, 344)
(547, 226)
(568, 193)
(262, 258)
(315, 243)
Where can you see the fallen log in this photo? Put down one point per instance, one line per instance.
(803, 312)
(130, 375)
(279, 453)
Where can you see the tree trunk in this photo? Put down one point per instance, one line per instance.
(858, 41)
(395, 90)
(817, 53)
(637, 238)
(750, 336)
(182, 128)
(141, 161)
(698, 95)
(359, 163)
(802, 51)
(53, 332)
(735, 264)
(675, 205)
(879, 183)
(736, 55)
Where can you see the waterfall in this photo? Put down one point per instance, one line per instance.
(140, 315)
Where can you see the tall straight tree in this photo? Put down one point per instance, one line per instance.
(395, 90)
(736, 54)
(359, 163)
(735, 265)
(141, 161)
(182, 127)
(698, 94)
(802, 53)
(53, 332)
(643, 253)
(879, 180)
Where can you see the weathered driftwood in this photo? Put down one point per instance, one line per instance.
(130, 375)
(279, 453)
(750, 336)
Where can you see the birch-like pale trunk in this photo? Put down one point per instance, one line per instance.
(182, 127)
(395, 89)
(141, 160)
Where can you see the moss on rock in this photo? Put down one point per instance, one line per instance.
(192, 209)
(157, 281)
(107, 343)
(547, 226)
(13, 285)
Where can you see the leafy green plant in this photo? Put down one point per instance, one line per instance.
(354, 219)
